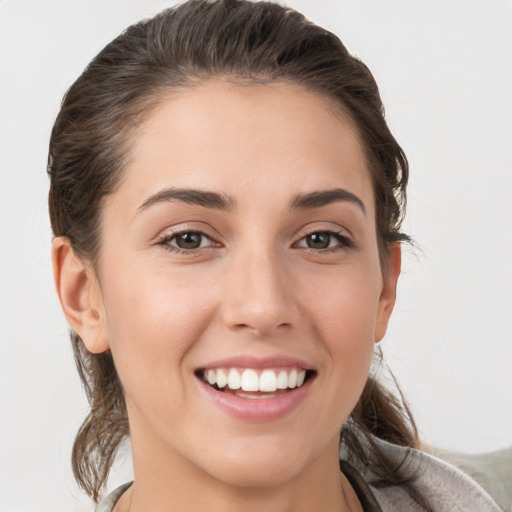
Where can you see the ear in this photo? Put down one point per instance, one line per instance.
(80, 295)
(388, 294)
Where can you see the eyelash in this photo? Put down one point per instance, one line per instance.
(166, 240)
(344, 242)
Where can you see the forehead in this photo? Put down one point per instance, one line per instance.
(221, 135)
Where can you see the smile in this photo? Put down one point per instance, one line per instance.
(256, 390)
(254, 383)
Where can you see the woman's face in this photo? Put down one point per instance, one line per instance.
(241, 246)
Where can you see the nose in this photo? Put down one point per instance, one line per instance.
(258, 295)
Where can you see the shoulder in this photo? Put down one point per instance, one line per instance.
(492, 470)
(448, 488)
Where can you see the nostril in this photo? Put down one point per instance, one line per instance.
(254, 325)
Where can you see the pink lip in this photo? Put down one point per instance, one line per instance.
(258, 362)
(257, 410)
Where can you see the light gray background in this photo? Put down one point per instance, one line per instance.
(444, 69)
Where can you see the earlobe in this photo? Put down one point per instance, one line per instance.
(80, 295)
(388, 294)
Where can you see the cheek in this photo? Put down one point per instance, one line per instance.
(150, 322)
(344, 309)
(346, 296)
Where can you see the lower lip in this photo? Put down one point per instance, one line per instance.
(260, 409)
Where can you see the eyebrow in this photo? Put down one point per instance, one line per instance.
(325, 197)
(224, 202)
(191, 196)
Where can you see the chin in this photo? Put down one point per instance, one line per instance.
(262, 464)
(256, 475)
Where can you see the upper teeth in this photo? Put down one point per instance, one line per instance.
(249, 380)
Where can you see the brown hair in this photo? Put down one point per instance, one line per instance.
(256, 42)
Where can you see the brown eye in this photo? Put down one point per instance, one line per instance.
(189, 240)
(186, 241)
(325, 240)
(320, 240)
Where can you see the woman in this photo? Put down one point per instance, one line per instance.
(226, 200)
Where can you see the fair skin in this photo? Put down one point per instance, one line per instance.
(267, 273)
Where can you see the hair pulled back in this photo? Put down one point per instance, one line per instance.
(199, 40)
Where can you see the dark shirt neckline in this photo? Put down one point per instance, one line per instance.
(361, 488)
